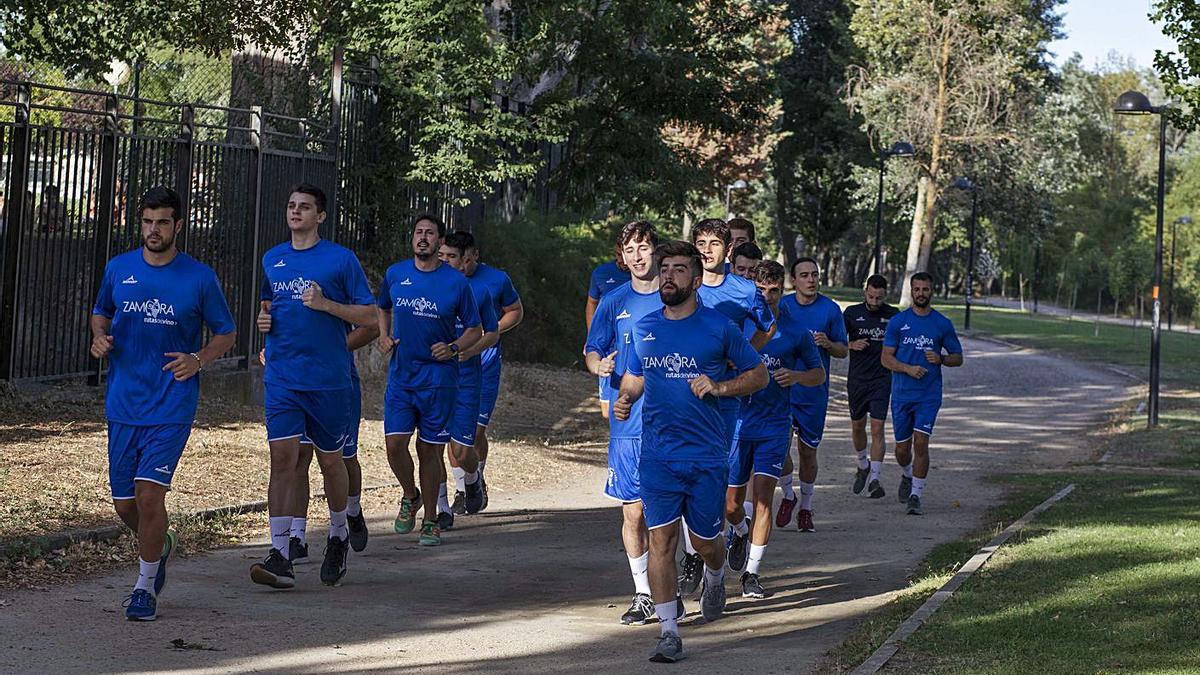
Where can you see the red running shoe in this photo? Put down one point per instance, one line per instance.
(785, 511)
(804, 521)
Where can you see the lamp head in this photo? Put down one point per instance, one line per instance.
(963, 183)
(1133, 103)
(901, 149)
(738, 184)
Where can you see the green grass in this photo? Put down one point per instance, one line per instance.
(1175, 442)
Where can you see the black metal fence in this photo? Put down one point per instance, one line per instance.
(72, 174)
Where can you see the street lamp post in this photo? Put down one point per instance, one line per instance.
(964, 183)
(898, 149)
(1136, 103)
(1186, 220)
(738, 184)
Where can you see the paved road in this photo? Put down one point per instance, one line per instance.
(536, 584)
(1180, 326)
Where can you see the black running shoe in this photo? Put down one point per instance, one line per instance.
(275, 571)
(739, 552)
(358, 531)
(914, 506)
(483, 486)
(334, 566)
(445, 521)
(692, 574)
(668, 650)
(640, 611)
(297, 551)
(905, 489)
(751, 587)
(474, 498)
(860, 479)
(459, 507)
(875, 490)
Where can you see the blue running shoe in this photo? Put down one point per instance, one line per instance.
(169, 545)
(141, 606)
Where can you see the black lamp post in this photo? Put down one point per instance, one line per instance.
(1136, 103)
(1186, 220)
(964, 183)
(898, 149)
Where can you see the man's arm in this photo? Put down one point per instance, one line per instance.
(512, 315)
(362, 335)
(355, 315)
(744, 384)
(805, 378)
(102, 342)
(385, 342)
(761, 337)
(632, 386)
(488, 341)
(952, 360)
(589, 311)
(888, 359)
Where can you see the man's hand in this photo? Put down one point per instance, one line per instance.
(933, 357)
(314, 299)
(183, 366)
(622, 407)
(386, 343)
(441, 351)
(916, 372)
(101, 346)
(785, 377)
(703, 386)
(859, 345)
(822, 340)
(262, 357)
(264, 318)
(607, 365)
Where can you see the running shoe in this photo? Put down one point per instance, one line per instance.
(141, 606)
(875, 490)
(275, 571)
(905, 489)
(358, 531)
(430, 534)
(297, 551)
(804, 521)
(860, 479)
(169, 544)
(445, 521)
(739, 551)
(459, 507)
(712, 601)
(407, 518)
(473, 499)
(668, 650)
(333, 568)
(751, 588)
(483, 486)
(914, 506)
(692, 574)
(785, 511)
(640, 611)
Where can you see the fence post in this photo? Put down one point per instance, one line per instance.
(14, 229)
(254, 269)
(104, 215)
(185, 147)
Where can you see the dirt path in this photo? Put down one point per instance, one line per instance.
(537, 583)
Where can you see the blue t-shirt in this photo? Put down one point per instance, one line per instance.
(605, 278)
(155, 310)
(675, 424)
(820, 316)
(739, 300)
(767, 412)
(612, 329)
(427, 308)
(911, 335)
(503, 294)
(470, 370)
(306, 349)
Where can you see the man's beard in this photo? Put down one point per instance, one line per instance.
(678, 296)
(422, 255)
(921, 302)
(164, 244)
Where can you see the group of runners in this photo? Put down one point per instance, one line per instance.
(706, 372)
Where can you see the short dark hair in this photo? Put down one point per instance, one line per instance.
(747, 250)
(461, 240)
(804, 259)
(638, 230)
(877, 281)
(742, 224)
(433, 219)
(713, 226)
(160, 197)
(317, 194)
(768, 272)
(679, 249)
(921, 276)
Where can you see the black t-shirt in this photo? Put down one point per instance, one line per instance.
(862, 323)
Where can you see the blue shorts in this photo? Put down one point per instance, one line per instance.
(690, 489)
(623, 457)
(758, 456)
(489, 390)
(809, 423)
(466, 412)
(149, 453)
(602, 389)
(424, 411)
(731, 414)
(350, 449)
(910, 416)
(323, 416)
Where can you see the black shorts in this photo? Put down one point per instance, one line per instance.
(869, 399)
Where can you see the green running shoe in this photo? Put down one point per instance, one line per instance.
(407, 518)
(430, 534)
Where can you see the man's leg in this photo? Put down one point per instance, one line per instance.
(858, 437)
(429, 455)
(151, 499)
(281, 490)
(807, 454)
(636, 539)
(920, 470)
(663, 542)
(902, 428)
(299, 532)
(401, 462)
(760, 535)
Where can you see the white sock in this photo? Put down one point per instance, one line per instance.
(714, 577)
(863, 460)
(298, 529)
(668, 617)
(471, 478)
(906, 470)
(918, 485)
(687, 538)
(785, 484)
(443, 502)
(482, 463)
(876, 467)
(146, 573)
(281, 530)
(640, 567)
(756, 556)
(460, 478)
(748, 507)
(806, 495)
(354, 505)
(337, 524)
(741, 529)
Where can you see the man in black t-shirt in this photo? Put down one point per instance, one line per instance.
(868, 383)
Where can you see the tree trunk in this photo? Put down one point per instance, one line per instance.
(1096, 328)
(787, 241)
(1074, 291)
(687, 226)
(1058, 289)
(914, 242)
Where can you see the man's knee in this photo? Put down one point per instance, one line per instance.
(149, 497)
(126, 509)
(330, 461)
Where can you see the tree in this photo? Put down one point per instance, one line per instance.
(1178, 70)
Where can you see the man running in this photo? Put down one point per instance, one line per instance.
(764, 434)
(682, 364)
(868, 383)
(150, 310)
(918, 342)
(741, 231)
(464, 460)
(421, 303)
(608, 352)
(317, 288)
(808, 310)
(509, 312)
(605, 277)
(745, 257)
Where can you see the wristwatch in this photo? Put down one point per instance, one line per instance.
(454, 348)
(199, 363)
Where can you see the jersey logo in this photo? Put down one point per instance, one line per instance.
(422, 306)
(165, 468)
(130, 280)
(861, 318)
(677, 365)
(904, 327)
(406, 282)
(152, 311)
(649, 338)
(921, 342)
(280, 263)
(624, 314)
(611, 281)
